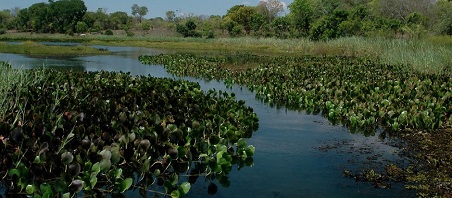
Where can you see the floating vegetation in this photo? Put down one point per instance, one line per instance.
(104, 133)
(358, 93)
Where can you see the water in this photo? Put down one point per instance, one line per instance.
(297, 155)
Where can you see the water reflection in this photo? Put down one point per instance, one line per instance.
(291, 158)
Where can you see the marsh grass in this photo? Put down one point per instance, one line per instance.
(36, 49)
(422, 56)
(428, 55)
(12, 81)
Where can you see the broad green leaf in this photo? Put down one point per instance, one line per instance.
(118, 173)
(125, 184)
(96, 168)
(60, 185)
(175, 194)
(66, 195)
(30, 189)
(105, 165)
(14, 172)
(93, 181)
(45, 187)
(185, 187)
(250, 150)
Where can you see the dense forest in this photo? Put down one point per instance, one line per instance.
(314, 19)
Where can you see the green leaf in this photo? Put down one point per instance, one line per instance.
(185, 187)
(125, 184)
(175, 194)
(47, 194)
(60, 185)
(93, 181)
(96, 168)
(118, 173)
(250, 150)
(30, 189)
(241, 143)
(45, 187)
(105, 165)
(66, 195)
(14, 172)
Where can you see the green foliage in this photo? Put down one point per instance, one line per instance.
(104, 133)
(301, 14)
(236, 31)
(243, 15)
(108, 32)
(81, 27)
(328, 27)
(188, 29)
(355, 92)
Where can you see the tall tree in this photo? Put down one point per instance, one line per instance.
(243, 16)
(170, 15)
(135, 9)
(270, 9)
(143, 11)
(139, 11)
(66, 13)
(301, 14)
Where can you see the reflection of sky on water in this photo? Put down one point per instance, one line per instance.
(287, 162)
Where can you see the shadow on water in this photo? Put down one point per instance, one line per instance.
(297, 154)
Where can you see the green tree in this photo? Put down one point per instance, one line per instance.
(270, 9)
(119, 20)
(139, 11)
(281, 26)
(66, 13)
(301, 14)
(81, 27)
(22, 19)
(170, 15)
(143, 11)
(242, 15)
(5, 19)
(102, 21)
(328, 26)
(443, 13)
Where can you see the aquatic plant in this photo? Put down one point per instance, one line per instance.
(105, 133)
(358, 93)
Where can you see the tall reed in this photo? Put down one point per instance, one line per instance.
(12, 81)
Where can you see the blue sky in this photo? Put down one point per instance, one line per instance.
(156, 7)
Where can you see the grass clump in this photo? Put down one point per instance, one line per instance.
(12, 81)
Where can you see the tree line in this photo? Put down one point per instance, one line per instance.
(314, 19)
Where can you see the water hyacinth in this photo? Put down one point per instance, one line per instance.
(105, 132)
(359, 93)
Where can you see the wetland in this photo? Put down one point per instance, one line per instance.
(312, 134)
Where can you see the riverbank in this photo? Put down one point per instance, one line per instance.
(429, 55)
(36, 49)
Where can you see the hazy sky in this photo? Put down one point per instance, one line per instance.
(156, 7)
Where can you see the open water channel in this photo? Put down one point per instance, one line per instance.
(297, 155)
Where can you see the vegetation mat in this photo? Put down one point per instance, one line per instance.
(104, 133)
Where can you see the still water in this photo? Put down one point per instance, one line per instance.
(297, 155)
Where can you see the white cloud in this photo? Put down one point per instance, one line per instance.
(246, 3)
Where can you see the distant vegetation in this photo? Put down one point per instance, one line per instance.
(313, 19)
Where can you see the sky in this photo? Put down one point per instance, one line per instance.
(157, 8)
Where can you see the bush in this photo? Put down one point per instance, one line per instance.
(210, 35)
(108, 32)
(129, 33)
(2, 31)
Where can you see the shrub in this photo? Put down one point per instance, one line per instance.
(108, 32)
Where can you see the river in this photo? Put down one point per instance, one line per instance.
(297, 154)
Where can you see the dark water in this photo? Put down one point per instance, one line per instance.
(297, 155)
